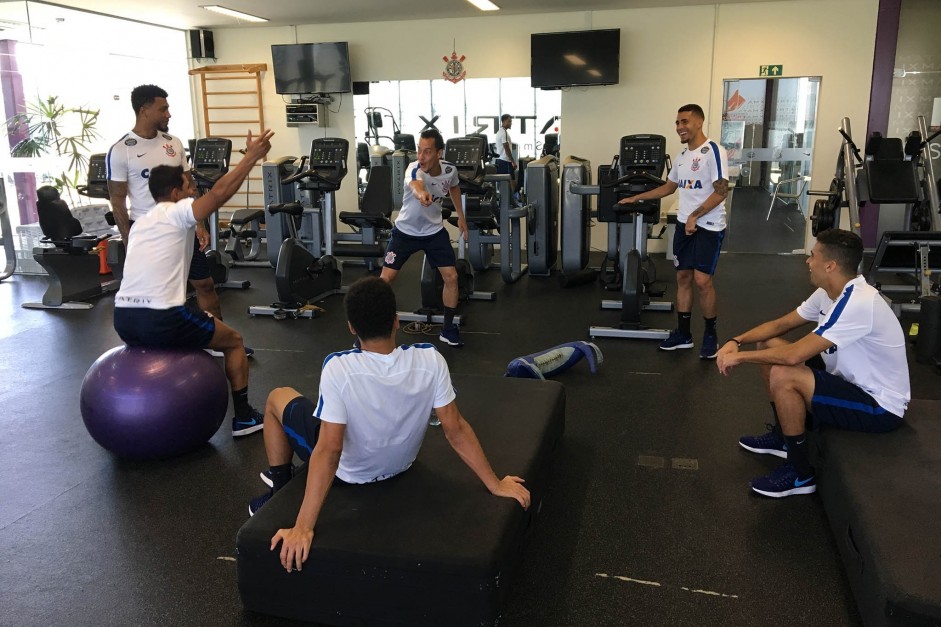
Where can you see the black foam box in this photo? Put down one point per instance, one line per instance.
(429, 547)
(882, 495)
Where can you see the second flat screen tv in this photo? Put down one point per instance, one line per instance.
(587, 57)
(321, 68)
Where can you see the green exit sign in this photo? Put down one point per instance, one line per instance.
(770, 70)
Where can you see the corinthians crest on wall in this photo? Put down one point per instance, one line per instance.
(454, 67)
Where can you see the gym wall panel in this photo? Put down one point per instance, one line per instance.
(669, 56)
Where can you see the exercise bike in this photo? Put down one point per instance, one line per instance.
(210, 161)
(642, 158)
(308, 272)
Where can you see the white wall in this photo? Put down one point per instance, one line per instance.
(669, 56)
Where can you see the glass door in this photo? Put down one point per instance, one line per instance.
(768, 128)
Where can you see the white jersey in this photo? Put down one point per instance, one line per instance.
(503, 138)
(869, 345)
(385, 402)
(694, 171)
(413, 218)
(158, 258)
(131, 159)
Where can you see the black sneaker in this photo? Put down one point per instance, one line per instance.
(254, 421)
(677, 339)
(451, 336)
(710, 346)
(266, 476)
(256, 503)
(782, 482)
(770, 443)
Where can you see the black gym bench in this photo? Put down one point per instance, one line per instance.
(882, 494)
(429, 547)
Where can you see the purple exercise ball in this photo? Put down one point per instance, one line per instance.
(145, 403)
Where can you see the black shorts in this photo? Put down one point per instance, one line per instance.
(177, 327)
(503, 167)
(699, 251)
(303, 429)
(839, 403)
(199, 266)
(301, 426)
(437, 248)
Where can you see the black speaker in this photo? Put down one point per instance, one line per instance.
(201, 45)
(360, 88)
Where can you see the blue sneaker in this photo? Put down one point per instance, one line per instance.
(249, 352)
(770, 443)
(676, 340)
(710, 345)
(266, 476)
(256, 503)
(255, 421)
(451, 336)
(784, 481)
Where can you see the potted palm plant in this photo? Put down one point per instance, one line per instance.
(50, 128)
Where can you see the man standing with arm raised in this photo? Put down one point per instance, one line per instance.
(149, 308)
(420, 225)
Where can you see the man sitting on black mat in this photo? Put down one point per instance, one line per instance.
(863, 383)
(369, 421)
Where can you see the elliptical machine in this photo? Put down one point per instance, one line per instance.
(305, 274)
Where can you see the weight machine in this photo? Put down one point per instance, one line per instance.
(575, 237)
(890, 172)
(640, 162)
(542, 219)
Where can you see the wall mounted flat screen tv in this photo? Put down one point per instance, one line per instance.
(321, 68)
(586, 57)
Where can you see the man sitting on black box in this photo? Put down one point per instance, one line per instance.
(863, 384)
(369, 421)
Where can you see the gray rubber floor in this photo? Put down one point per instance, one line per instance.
(648, 519)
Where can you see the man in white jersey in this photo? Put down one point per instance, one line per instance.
(129, 163)
(858, 375)
(420, 225)
(504, 162)
(149, 309)
(369, 421)
(700, 172)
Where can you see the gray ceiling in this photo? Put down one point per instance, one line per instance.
(188, 14)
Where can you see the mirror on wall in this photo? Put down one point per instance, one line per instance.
(768, 129)
(470, 106)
